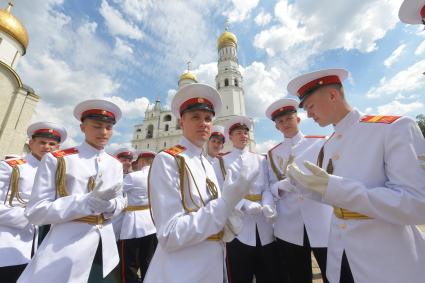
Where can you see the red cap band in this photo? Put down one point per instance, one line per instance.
(97, 112)
(237, 125)
(328, 80)
(127, 154)
(423, 12)
(146, 155)
(195, 100)
(283, 109)
(49, 131)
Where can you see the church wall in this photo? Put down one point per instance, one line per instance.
(10, 50)
(8, 87)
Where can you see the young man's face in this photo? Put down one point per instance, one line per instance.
(39, 146)
(126, 164)
(197, 126)
(97, 133)
(239, 138)
(215, 145)
(319, 107)
(144, 161)
(288, 124)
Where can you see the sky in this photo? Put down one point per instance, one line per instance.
(133, 52)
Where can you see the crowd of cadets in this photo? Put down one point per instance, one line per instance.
(353, 199)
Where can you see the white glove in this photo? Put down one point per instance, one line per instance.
(252, 207)
(232, 193)
(278, 188)
(109, 193)
(317, 182)
(422, 158)
(233, 226)
(270, 212)
(101, 206)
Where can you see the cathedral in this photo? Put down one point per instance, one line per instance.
(160, 128)
(17, 101)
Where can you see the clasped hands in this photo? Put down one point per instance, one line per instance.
(102, 201)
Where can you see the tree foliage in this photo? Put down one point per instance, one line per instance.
(420, 119)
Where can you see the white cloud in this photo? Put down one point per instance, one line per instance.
(131, 109)
(398, 108)
(420, 50)
(263, 18)
(116, 23)
(122, 48)
(405, 81)
(394, 56)
(317, 26)
(263, 147)
(241, 10)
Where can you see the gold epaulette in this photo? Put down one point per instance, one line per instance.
(65, 152)
(379, 119)
(175, 150)
(314, 137)
(15, 162)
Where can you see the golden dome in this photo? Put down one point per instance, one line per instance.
(13, 27)
(188, 76)
(227, 38)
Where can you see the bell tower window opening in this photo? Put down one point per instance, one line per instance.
(166, 118)
(149, 133)
(166, 128)
(226, 82)
(236, 82)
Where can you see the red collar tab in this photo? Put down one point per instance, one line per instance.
(328, 80)
(283, 109)
(97, 112)
(423, 12)
(194, 101)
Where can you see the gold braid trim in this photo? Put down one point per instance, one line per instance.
(222, 167)
(60, 178)
(14, 187)
(279, 175)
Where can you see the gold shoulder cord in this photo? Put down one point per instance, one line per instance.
(279, 176)
(222, 167)
(61, 178)
(14, 187)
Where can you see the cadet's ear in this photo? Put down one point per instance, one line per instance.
(82, 127)
(298, 120)
(275, 125)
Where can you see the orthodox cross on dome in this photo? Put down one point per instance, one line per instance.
(188, 65)
(9, 7)
(226, 24)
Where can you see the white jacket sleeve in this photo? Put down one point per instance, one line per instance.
(44, 207)
(9, 216)
(177, 229)
(401, 200)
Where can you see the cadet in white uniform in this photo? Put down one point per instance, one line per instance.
(372, 178)
(302, 224)
(252, 252)
(77, 190)
(188, 209)
(215, 143)
(138, 238)
(16, 181)
(125, 156)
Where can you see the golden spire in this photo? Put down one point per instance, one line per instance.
(188, 75)
(227, 37)
(12, 26)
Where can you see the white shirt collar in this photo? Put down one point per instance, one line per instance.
(240, 151)
(90, 149)
(31, 159)
(294, 140)
(190, 147)
(350, 119)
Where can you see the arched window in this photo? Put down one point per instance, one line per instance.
(149, 133)
(166, 118)
(165, 144)
(236, 82)
(148, 146)
(226, 82)
(166, 128)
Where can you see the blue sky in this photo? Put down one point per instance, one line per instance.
(132, 51)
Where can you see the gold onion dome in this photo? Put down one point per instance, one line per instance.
(227, 38)
(188, 76)
(12, 26)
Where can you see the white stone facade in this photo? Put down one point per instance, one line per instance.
(160, 128)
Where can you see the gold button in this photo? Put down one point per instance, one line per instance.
(343, 226)
(335, 156)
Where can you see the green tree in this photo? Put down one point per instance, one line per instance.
(420, 119)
